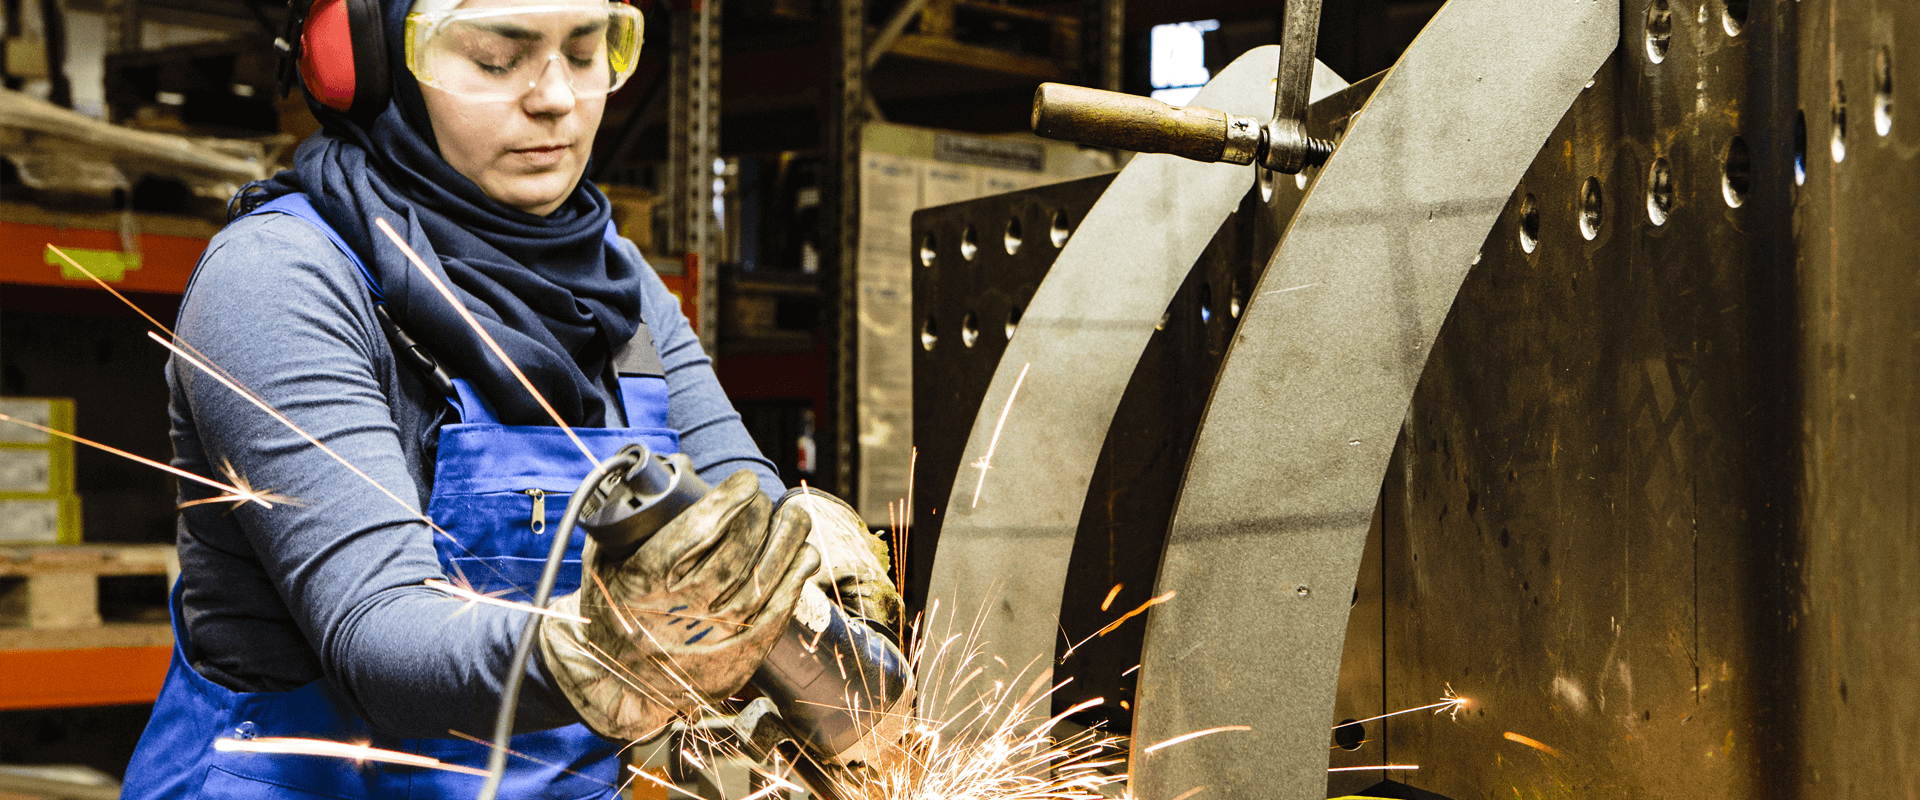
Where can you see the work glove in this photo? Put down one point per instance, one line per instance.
(685, 620)
(853, 561)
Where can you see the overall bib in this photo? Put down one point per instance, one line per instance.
(498, 490)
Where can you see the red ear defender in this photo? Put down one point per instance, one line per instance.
(343, 57)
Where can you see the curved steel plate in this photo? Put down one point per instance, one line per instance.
(1284, 477)
(1005, 557)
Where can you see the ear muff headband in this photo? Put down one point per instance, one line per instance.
(343, 57)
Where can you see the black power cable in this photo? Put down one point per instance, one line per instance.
(510, 695)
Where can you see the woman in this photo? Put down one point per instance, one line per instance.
(314, 619)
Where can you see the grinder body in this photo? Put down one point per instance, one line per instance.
(842, 687)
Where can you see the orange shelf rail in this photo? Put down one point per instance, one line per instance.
(164, 262)
(81, 677)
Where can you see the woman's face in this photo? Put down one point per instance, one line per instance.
(526, 153)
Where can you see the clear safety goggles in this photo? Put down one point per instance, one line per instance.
(501, 53)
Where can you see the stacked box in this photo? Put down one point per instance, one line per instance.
(37, 500)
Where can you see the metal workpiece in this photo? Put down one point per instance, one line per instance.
(1009, 523)
(1281, 487)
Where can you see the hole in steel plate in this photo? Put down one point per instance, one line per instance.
(929, 333)
(970, 329)
(1839, 122)
(1592, 208)
(1659, 192)
(1013, 317)
(1206, 302)
(1266, 184)
(1013, 236)
(1800, 148)
(1736, 173)
(1349, 735)
(1659, 30)
(927, 250)
(1238, 299)
(969, 243)
(1060, 230)
(1735, 17)
(1883, 92)
(1529, 223)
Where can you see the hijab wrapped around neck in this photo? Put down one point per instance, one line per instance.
(551, 290)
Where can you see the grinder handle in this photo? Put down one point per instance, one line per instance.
(1129, 122)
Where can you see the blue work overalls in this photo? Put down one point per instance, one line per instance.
(489, 482)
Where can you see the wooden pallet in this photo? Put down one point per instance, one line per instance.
(54, 648)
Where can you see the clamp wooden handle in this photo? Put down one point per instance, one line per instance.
(1128, 122)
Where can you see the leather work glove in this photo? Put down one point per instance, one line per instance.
(685, 620)
(853, 561)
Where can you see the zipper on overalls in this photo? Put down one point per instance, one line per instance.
(539, 523)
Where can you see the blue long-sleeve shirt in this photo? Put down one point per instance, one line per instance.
(332, 587)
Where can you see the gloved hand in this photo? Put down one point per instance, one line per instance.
(853, 561)
(686, 619)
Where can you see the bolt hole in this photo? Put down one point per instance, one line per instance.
(1349, 735)
(1800, 148)
(1659, 192)
(927, 250)
(1013, 236)
(970, 329)
(1266, 184)
(1736, 173)
(1735, 17)
(969, 243)
(1059, 231)
(1592, 208)
(1883, 92)
(1014, 313)
(1529, 223)
(1300, 179)
(929, 333)
(1659, 30)
(1839, 122)
(1237, 301)
(1206, 302)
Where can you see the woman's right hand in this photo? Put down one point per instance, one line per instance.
(685, 620)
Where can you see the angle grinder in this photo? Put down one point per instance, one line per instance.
(842, 688)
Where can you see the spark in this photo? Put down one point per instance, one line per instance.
(906, 522)
(110, 290)
(648, 776)
(1530, 742)
(283, 420)
(986, 462)
(1293, 289)
(234, 493)
(472, 596)
(1112, 593)
(1116, 623)
(1130, 670)
(322, 747)
(1374, 767)
(461, 309)
(1451, 703)
(1187, 737)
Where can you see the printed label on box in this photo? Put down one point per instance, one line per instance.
(38, 411)
(25, 469)
(29, 520)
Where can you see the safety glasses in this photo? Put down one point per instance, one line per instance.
(501, 53)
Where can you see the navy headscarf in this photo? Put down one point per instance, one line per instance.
(555, 295)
